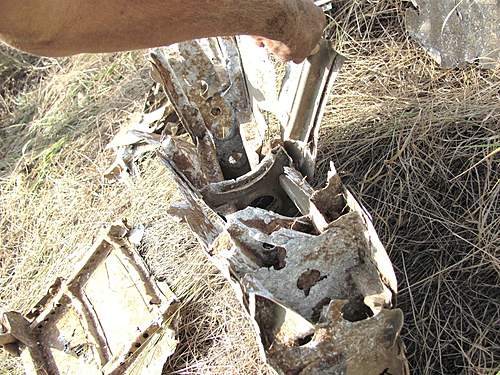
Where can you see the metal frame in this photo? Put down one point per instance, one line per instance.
(97, 321)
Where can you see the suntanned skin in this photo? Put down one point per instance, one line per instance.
(288, 28)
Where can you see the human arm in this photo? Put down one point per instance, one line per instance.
(66, 27)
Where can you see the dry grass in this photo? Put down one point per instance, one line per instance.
(54, 200)
(414, 141)
(419, 145)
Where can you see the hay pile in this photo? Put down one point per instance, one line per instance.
(416, 143)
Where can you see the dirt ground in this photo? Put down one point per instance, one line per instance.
(418, 144)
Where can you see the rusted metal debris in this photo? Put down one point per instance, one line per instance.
(454, 32)
(141, 134)
(101, 320)
(309, 92)
(306, 263)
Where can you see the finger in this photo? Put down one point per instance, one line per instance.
(278, 49)
(283, 56)
(299, 60)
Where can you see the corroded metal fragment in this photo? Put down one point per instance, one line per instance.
(98, 320)
(304, 97)
(302, 270)
(321, 206)
(191, 117)
(204, 222)
(325, 206)
(287, 274)
(306, 263)
(455, 32)
(204, 81)
(338, 346)
(184, 155)
(258, 188)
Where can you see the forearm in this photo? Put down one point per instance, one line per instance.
(64, 27)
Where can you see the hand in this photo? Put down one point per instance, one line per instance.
(302, 33)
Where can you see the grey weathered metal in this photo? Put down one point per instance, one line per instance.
(454, 32)
(307, 264)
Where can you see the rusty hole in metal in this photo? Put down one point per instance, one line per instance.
(356, 310)
(304, 340)
(215, 111)
(235, 157)
(308, 279)
(145, 335)
(304, 227)
(137, 344)
(280, 255)
(318, 309)
(272, 256)
(263, 202)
